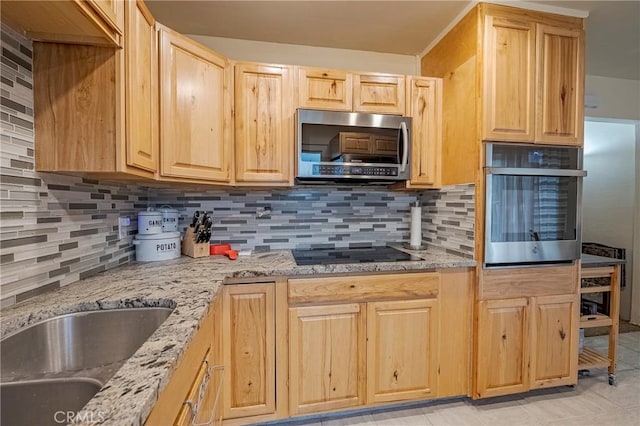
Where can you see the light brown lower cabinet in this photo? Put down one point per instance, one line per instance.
(402, 350)
(554, 338)
(526, 343)
(327, 349)
(503, 347)
(316, 344)
(248, 349)
(387, 347)
(194, 392)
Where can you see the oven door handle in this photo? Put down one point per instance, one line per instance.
(405, 146)
(514, 171)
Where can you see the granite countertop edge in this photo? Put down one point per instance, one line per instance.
(188, 286)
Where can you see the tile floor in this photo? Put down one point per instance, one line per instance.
(592, 402)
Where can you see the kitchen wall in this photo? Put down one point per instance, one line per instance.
(635, 294)
(615, 97)
(291, 54)
(608, 192)
(54, 229)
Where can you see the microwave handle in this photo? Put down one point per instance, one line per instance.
(405, 146)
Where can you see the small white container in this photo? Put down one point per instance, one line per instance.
(163, 246)
(149, 222)
(169, 219)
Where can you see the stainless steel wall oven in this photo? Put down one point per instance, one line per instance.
(533, 204)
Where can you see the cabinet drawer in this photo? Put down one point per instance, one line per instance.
(202, 400)
(185, 378)
(364, 288)
(524, 282)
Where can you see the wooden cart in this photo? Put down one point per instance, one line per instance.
(594, 267)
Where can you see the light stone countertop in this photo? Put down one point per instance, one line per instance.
(187, 285)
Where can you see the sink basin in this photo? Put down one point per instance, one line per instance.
(45, 402)
(77, 341)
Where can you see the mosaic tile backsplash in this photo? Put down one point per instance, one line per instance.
(314, 217)
(448, 217)
(328, 216)
(56, 229)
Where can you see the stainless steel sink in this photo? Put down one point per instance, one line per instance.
(77, 341)
(45, 402)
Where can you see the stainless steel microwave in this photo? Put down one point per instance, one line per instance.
(339, 146)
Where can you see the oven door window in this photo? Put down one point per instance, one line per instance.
(532, 208)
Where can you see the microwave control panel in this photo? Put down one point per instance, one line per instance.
(344, 170)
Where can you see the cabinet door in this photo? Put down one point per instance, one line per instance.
(325, 89)
(141, 92)
(560, 118)
(108, 9)
(424, 96)
(378, 93)
(326, 358)
(195, 110)
(509, 78)
(503, 347)
(402, 350)
(248, 349)
(264, 124)
(554, 340)
(90, 22)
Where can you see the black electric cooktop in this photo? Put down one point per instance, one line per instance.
(350, 255)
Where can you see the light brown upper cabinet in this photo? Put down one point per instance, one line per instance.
(378, 93)
(92, 22)
(337, 90)
(533, 80)
(509, 69)
(96, 106)
(560, 67)
(325, 89)
(263, 115)
(508, 74)
(141, 90)
(424, 106)
(195, 111)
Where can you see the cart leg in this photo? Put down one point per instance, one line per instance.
(612, 379)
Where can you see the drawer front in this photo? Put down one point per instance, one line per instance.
(361, 288)
(200, 399)
(525, 282)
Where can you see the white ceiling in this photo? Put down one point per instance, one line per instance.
(401, 27)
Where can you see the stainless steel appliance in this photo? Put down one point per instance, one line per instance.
(335, 145)
(533, 204)
(350, 255)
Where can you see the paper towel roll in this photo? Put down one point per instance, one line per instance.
(415, 239)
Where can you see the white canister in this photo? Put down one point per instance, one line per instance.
(149, 222)
(163, 246)
(169, 219)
